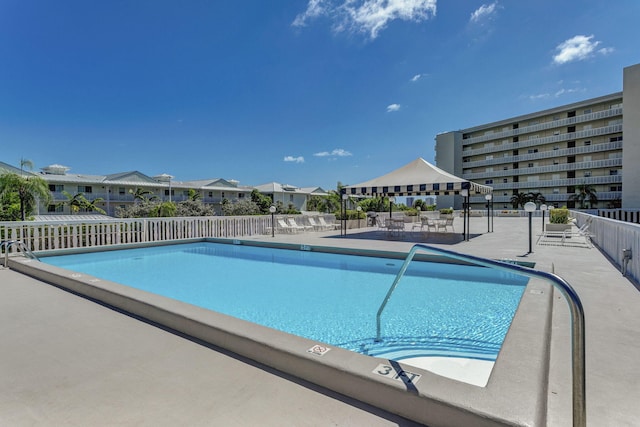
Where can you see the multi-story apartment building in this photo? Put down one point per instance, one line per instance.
(551, 152)
(118, 190)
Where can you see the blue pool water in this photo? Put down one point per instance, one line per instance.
(437, 309)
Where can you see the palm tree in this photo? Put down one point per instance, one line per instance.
(140, 194)
(75, 202)
(536, 198)
(29, 189)
(519, 199)
(584, 193)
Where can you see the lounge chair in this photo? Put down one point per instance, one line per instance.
(325, 224)
(317, 226)
(286, 228)
(292, 223)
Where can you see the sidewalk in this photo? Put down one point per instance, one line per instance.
(70, 361)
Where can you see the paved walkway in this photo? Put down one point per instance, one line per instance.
(68, 361)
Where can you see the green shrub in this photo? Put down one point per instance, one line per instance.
(446, 211)
(559, 216)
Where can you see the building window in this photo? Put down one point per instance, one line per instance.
(613, 172)
(532, 150)
(555, 147)
(556, 161)
(56, 188)
(587, 111)
(55, 208)
(586, 158)
(587, 143)
(615, 139)
(449, 186)
(121, 190)
(615, 188)
(505, 168)
(556, 191)
(210, 193)
(586, 127)
(505, 180)
(489, 181)
(291, 197)
(241, 195)
(166, 192)
(529, 165)
(84, 189)
(587, 174)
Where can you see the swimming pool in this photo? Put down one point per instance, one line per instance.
(437, 310)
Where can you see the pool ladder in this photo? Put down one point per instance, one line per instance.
(575, 308)
(6, 246)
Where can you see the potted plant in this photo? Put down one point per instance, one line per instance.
(558, 220)
(446, 213)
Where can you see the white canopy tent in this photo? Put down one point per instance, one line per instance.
(418, 178)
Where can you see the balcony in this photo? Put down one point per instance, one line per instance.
(561, 167)
(589, 133)
(548, 154)
(598, 115)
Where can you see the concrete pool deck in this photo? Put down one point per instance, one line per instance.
(69, 361)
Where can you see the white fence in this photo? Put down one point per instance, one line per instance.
(51, 235)
(612, 236)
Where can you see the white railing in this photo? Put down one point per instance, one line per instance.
(612, 236)
(52, 235)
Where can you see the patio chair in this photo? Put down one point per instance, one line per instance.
(324, 223)
(317, 226)
(286, 228)
(443, 224)
(292, 223)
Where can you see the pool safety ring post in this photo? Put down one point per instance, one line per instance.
(575, 309)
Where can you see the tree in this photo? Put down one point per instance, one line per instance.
(140, 194)
(585, 193)
(78, 202)
(519, 199)
(536, 198)
(263, 202)
(28, 190)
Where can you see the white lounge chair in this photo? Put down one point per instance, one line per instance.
(317, 226)
(292, 223)
(324, 223)
(286, 228)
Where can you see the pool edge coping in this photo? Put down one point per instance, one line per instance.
(435, 400)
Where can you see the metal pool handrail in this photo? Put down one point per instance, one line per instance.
(575, 308)
(23, 248)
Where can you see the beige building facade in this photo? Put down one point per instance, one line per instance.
(554, 152)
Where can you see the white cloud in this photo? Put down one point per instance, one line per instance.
(416, 77)
(315, 8)
(578, 48)
(557, 94)
(393, 107)
(293, 159)
(338, 152)
(366, 16)
(483, 12)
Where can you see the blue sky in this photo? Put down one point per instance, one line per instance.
(304, 92)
